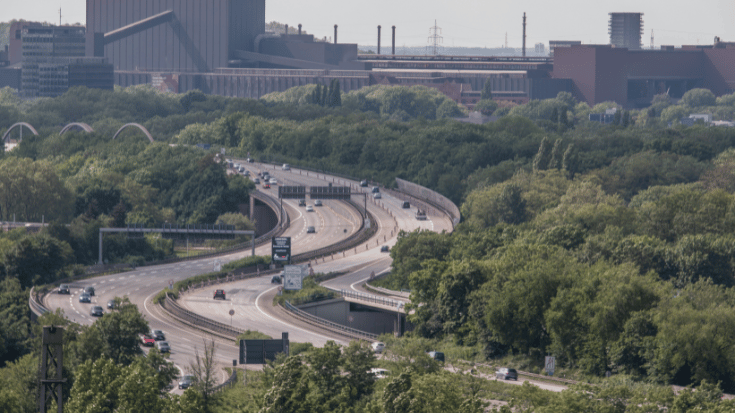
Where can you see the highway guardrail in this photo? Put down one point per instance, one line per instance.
(375, 299)
(329, 325)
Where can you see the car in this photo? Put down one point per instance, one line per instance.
(310, 230)
(250, 160)
(286, 167)
(64, 289)
(302, 202)
(377, 195)
(96, 311)
(237, 166)
(505, 373)
(158, 335)
(89, 290)
(436, 355)
(406, 205)
(266, 185)
(318, 202)
(219, 294)
(256, 181)
(385, 248)
(309, 208)
(246, 173)
(186, 382)
(276, 279)
(85, 298)
(375, 190)
(111, 304)
(364, 183)
(378, 346)
(163, 346)
(241, 169)
(147, 340)
(273, 181)
(379, 373)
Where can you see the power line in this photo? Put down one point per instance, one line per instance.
(435, 38)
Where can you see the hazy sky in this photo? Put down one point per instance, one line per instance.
(469, 23)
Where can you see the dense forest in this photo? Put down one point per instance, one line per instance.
(607, 246)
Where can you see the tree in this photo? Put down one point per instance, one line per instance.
(570, 161)
(555, 160)
(204, 368)
(487, 90)
(541, 161)
(14, 320)
(698, 97)
(486, 106)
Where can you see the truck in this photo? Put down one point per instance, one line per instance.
(421, 215)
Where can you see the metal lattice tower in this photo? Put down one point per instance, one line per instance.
(52, 361)
(435, 38)
(651, 39)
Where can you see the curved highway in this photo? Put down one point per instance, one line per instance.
(252, 299)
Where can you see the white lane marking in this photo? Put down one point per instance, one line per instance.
(352, 286)
(283, 322)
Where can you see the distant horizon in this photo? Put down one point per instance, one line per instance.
(464, 23)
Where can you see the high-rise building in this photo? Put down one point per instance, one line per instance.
(53, 60)
(626, 30)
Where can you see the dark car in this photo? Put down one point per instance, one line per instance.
(111, 304)
(385, 248)
(318, 202)
(436, 355)
(256, 181)
(310, 230)
(96, 311)
(504, 373)
(364, 183)
(186, 382)
(89, 290)
(376, 189)
(158, 335)
(406, 205)
(219, 294)
(266, 185)
(302, 202)
(163, 347)
(85, 298)
(64, 289)
(276, 279)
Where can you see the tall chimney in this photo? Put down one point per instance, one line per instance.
(299, 29)
(524, 34)
(393, 48)
(286, 30)
(378, 39)
(335, 34)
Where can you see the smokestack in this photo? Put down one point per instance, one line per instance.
(393, 47)
(286, 30)
(299, 29)
(378, 39)
(335, 34)
(524, 34)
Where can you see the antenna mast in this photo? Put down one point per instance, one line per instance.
(59, 16)
(435, 38)
(651, 39)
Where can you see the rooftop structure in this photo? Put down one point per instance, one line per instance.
(625, 30)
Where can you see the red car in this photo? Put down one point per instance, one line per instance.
(147, 340)
(219, 294)
(266, 185)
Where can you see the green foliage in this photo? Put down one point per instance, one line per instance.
(486, 106)
(696, 98)
(310, 292)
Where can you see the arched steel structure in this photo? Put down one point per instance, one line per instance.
(139, 126)
(76, 126)
(19, 125)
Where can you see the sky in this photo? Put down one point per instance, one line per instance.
(463, 23)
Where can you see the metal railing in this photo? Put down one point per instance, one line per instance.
(36, 307)
(330, 325)
(376, 299)
(404, 294)
(228, 383)
(172, 307)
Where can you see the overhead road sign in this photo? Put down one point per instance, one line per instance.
(292, 192)
(330, 192)
(258, 351)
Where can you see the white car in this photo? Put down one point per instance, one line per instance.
(273, 181)
(377, 195)
(286, 167)
(309, 208)
(378, 346)
(379, 373)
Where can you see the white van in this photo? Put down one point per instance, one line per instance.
(286, 167)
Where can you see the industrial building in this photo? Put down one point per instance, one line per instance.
(221, 47)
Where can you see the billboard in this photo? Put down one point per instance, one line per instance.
(258, 351)
(293, 276)
(292, 192)
(281, 249)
